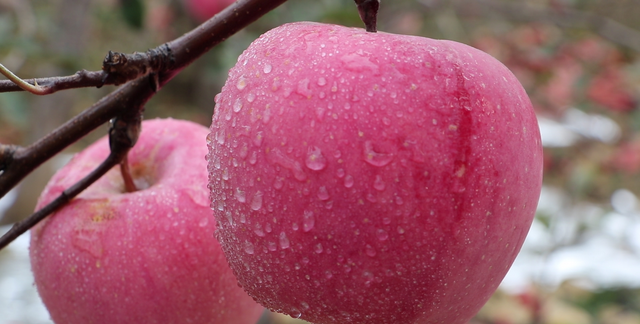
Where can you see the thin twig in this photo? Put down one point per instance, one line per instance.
(123, 135)
(33, 88)
(184, 50)
(82, 79)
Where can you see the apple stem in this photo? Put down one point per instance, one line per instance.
(129, 185)
(368, 10)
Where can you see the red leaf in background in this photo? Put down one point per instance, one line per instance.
(560, 89)
(627, 157)
(609, 89)
(592, 50)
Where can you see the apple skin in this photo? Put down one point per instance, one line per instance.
(202, 10)
(372, 178)
(144, 257)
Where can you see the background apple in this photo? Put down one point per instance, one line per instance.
(144, 257)
(372, 178)
(202, 10)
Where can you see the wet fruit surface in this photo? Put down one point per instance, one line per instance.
(143, 257)
(371, 178)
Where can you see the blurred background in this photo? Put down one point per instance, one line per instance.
(578, 59)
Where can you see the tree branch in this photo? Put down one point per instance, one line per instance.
(183, 50)
(123, 134)
(82, 79)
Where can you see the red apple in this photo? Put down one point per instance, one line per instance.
(202, 10)
(372, 178)
(144, 257)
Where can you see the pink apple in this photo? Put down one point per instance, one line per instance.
(202, 10)
(144, 257)
(370, 177)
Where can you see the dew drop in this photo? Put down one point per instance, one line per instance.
(382, 234)
(375, 158)
(204, 222)
(251, 97)
(256, 202)
(284, 241)
(295, 313)
(242, 83)
(278, 183)
(379, 184)
(318, 248)
(315, 160)
(258, 230)
(237, 105)
(240, 195)
(322, 81)
(267, 68)
(340, 173)
(348, 181)
(323, 194)
(257, 140)
(308, 221)
(248, 247)
(370, 251)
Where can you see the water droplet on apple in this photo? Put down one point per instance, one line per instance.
(295, 226)
(267, 227)
(382, 234)
(348, 181)
(240, 195)
(323, 194)
(204, 222)
(267, 68)
(295, 313)
(315, 160)
(379, 184)
(398, 200)
(257, 140)
(251, 97)
(308, 220)
(237, 105)
(242, 83)
(248, 247)
(277, 157)
(256, 202)
(258, 230)
(278, 183)
(284, 241)
(318, 248)
(370, 251)
(371, 198)
(376, 158)
(322, 81)
(272, 246)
